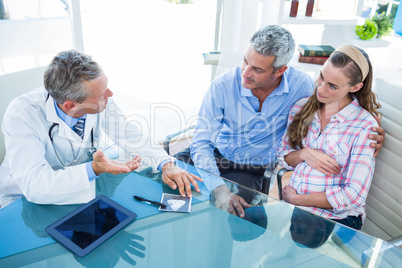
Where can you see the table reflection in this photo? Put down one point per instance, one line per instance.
(309, 230)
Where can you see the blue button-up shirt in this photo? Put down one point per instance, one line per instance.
(229, 119)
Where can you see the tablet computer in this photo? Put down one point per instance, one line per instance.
(85, 228)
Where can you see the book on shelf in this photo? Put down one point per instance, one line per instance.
(313, 60)
(315, 50)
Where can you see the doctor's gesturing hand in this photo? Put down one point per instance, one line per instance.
(102, 164)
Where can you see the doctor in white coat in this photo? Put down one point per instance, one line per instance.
(49, 155)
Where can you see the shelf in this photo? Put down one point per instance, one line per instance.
(321, 17)
(211, 58)
(326, 17)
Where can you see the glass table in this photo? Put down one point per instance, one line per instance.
(272, 233)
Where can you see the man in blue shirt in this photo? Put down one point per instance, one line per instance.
(244, 115)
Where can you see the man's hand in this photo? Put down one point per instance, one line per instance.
(321, 161)
(102, 164)
(228, 201)
(378, 138)
(177, 178)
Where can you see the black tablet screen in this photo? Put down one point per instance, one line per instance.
(88, 225)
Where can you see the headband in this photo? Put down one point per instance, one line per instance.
(357, 56)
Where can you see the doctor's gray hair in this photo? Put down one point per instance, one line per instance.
(273, 40)
(64, 76)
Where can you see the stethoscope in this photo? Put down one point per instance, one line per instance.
(90, 153)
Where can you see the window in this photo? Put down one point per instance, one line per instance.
(32, 9)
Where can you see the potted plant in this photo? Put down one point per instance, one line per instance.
(367, 31)
(379, 25)
(384, 24)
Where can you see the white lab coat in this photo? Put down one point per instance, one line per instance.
(34, 168)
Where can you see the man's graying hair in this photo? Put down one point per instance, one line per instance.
(64, 76)
(273, 40)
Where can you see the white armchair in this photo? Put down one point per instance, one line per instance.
(13, 85)
(384, 201)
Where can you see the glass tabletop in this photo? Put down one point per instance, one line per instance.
(272, 233)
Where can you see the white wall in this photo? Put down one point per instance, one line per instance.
(26, 46)
(33, 42)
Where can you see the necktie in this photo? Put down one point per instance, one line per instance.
(79, 127)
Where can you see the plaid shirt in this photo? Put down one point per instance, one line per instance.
(345, 139)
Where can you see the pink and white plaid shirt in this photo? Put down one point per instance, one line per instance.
(346, 140)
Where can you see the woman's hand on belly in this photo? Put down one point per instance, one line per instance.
(320, 161)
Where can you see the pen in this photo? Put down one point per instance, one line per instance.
(147, 201)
